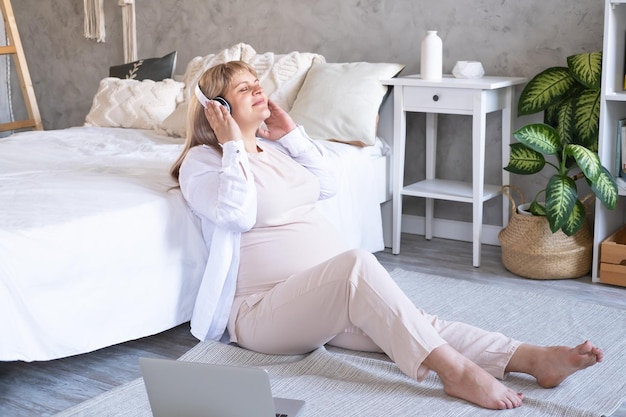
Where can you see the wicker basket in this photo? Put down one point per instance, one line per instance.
(531, 250)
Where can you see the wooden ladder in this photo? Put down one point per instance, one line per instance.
(15, 48)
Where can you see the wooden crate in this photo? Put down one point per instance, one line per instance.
(613, 259)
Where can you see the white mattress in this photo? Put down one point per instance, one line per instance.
(97, 248)
(94, 249)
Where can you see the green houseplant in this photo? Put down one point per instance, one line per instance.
(570, 99)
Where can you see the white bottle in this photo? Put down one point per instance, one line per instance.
(432, 57)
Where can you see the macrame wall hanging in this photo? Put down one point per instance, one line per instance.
(94, 20)
(94, 26)
(130, 32)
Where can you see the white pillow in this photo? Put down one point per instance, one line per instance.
(133, 104)
(175, 124)
(281, 76)
(340, 101)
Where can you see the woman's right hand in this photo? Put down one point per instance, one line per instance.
(222, 122)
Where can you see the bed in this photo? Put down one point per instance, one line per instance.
(97, 245)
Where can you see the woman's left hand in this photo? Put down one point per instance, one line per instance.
(278, 124)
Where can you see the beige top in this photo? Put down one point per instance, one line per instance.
(290, 235)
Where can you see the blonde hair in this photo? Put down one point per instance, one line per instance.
(214, 82)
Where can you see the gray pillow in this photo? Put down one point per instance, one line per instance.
(156, 69)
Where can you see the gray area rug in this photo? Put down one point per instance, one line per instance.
(337, 382)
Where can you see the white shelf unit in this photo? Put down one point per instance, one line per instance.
(612, 108)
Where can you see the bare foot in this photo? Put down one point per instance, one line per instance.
(559, 362)
(464, 379)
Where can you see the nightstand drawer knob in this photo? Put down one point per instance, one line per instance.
(435, 97)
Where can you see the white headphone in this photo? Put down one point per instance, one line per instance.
(204, 100)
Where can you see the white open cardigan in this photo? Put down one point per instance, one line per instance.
(220, 189)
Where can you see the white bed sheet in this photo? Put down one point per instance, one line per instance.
(96, 248)
(364, 183)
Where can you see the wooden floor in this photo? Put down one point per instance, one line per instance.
(44, 388)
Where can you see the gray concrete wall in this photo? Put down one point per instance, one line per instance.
(517, 38)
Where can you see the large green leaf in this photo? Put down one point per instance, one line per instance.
(561, 196)
(540, 137)
(587, 117)
(587, 160)
(576, 219)
(586, 68)
(524, 161)
(545, 89)
(561, 117)
(537, 209)
(605, 188)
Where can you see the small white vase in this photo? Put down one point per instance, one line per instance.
(431, 63)
(468, 69)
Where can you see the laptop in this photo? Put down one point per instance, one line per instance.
(186, 389)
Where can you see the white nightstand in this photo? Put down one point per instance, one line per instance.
(475, 97)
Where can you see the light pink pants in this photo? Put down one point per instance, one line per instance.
(351, 301)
